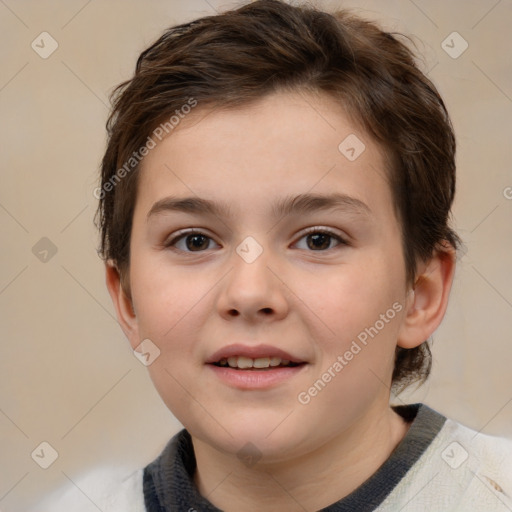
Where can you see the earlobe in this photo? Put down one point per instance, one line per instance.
(428, 300)
(122, 303)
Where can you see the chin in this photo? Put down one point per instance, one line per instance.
(256, 439)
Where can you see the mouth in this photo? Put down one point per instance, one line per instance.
(258, 367)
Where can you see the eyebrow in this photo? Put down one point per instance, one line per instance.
(300, 204)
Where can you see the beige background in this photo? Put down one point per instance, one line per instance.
(67, 375)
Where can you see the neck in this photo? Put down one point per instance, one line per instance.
(307, 483)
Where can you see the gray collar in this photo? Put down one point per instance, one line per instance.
(169, 479)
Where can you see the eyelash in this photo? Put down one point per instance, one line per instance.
(170, 244)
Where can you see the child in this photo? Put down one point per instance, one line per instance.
(274, 215)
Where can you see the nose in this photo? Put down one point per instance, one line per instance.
(253, 291)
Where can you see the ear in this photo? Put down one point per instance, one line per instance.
(122, 303)
(428, 298)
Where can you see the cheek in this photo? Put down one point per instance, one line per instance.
(350, 299)
(171, 307)
(361, 309)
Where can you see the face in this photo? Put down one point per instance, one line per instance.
(287, 248)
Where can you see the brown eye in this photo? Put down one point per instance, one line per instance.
(190, 242)
(321, 240)
(196, 242)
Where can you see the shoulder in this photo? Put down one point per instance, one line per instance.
(461, 470)
(490, 457)
(109, 490)
(126, 494)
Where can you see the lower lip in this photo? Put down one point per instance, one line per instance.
(255, 379)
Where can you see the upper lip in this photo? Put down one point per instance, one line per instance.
(254, 352)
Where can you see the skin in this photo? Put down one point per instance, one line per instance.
(309, 302)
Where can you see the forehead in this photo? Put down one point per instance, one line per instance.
(283, 145)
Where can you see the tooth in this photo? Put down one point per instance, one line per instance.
(245, 362)
(261, 362)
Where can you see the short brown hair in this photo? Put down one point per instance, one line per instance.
(237, 57)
